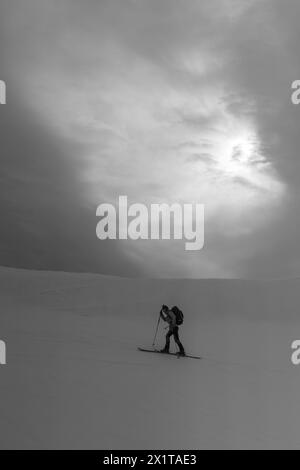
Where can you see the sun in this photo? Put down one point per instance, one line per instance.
(239, 154)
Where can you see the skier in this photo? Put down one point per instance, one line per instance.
(170, 317)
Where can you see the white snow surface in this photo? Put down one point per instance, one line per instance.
(74, 378)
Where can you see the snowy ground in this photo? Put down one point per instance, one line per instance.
(75, 379)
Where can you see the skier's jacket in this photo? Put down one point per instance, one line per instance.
(169, 317)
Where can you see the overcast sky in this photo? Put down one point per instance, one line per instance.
(163, 101)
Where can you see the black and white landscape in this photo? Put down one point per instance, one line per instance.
(150, 102)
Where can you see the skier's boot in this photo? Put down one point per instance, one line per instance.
(181, 352)
(164, 350)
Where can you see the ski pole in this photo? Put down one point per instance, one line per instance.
(156, 330)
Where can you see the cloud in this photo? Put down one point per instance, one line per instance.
(168, 101)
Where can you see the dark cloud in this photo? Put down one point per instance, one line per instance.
(45, 223)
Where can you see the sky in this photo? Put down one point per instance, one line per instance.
(164, 101)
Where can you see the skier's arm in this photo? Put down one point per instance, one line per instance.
(163, 316)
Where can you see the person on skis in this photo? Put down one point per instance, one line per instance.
(169, 316)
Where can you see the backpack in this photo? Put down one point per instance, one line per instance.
(178, 314)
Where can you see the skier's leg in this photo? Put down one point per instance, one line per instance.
(177, 340)
(167, 346)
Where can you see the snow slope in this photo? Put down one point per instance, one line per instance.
(74, 378)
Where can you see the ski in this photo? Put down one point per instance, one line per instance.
(169, 354)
